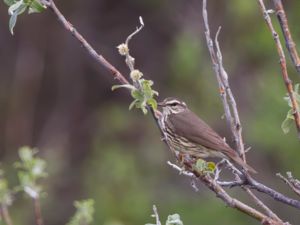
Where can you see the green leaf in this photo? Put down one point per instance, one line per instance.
(297, 88)
(36, 7)
(5, 193)
(146, 87)
(128, 86)
(287, 123)
(12, 22)
(200, 165)
(31, 169)
(26, 153)
(14, 7)
(9, 2)
(133, 104)
(144, 109)
(211, 166)
(137, 94)
(84, 212)
(15, 10)
(174, 220)
(152, 102)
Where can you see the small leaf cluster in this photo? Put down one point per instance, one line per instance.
(31, 170)
(287, 123)
(205, 167)
(17, 7)
(84, 212)
(171, 220)
(5, 192)
(142, 92)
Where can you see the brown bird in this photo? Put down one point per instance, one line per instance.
(187, 134)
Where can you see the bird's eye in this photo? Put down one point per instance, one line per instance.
(173, 104)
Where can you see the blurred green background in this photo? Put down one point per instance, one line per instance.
(55, 97)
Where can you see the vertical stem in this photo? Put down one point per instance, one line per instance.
(287, 81)
(37, 211)
(5, 215)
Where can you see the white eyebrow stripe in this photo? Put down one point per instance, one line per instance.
(173, 101)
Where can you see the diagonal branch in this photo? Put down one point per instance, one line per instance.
(92, 52)
(289, 42)
(293, 183)
(288, 82)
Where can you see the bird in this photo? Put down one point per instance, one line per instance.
(187, 134)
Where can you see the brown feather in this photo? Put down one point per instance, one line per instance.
(191, 127)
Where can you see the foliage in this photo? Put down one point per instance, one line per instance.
(5, 192)
(205, 167)
(84, 212)
(31, 170)
(141, 92)
(287, 123)
(17, 7)
(171, 220)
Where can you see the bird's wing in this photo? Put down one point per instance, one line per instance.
(196, 130)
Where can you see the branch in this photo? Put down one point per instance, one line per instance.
(229, 103)
(293, 183)
(289, 42)
(156, 215)
(285, 76)
(98, 57)
(5, 215)
(37, 211)
(224, 196)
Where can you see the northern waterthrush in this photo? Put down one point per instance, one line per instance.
(187, 134)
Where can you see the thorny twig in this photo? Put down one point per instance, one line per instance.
(289, 42)
(288, 82)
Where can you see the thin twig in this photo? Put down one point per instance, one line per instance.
(289, 42)
(236, 127)
(294, 184)
(259, 203)
(37, 211)
(232, 202)
(156, 215)
(230, 105)
(99, 58)
(227, 98)
(288, 82)
(129, 59)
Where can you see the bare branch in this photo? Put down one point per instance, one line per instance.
(259, 203)
(5, 215)
(288, 82)
(99, 58)
(37, 211)
(289, 42)
(293, 183)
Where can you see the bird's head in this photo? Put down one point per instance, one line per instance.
(172, 106)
